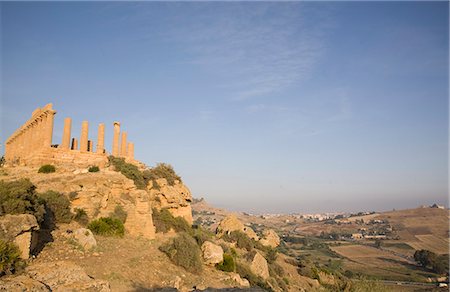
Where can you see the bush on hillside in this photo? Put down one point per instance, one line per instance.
(119, 213)
(164, 221)
(47, 168)
(428, 259)
(228, 264)
(161, 170)
(94, 169)
(107, 226)
(58, 206)
(241, 239)
(9, 257)
(129, 170)
(19, 197)
(184, 251)
(201, 235)
(81, 217)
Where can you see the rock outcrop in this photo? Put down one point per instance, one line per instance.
(22, 230)
(232, 223)
(177, 198)
(258, 265)
(212, 253)
(270, 238)
(22, 283)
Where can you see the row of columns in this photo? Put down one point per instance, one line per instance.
(126, 149)
(34, 135)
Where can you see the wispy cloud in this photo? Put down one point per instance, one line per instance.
(258, 48)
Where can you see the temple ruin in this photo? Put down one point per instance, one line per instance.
(31, 144)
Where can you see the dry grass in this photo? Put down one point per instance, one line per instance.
(430, 242)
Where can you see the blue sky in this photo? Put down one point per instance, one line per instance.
(259, 106)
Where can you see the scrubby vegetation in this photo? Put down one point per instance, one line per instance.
(184, 251)
(94, 169)
(119, 213)
(81, 217)
(19, 197)
(129, 170)
(428, 259)
(9, 257)
(107, 226)
(244, 271)
(241, 239)
(161, 170)
(228, 264)
(47, 168)
(164, 221)
(57, 206)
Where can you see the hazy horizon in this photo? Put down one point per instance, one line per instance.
(260, 107)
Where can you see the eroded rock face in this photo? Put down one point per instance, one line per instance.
(212, 253)
(85, 238)
(20, 229)
(139, 216)
(65, 276)
(22, 283)
(177, 198)
(270, 238)
(259, 266)
(232, 223)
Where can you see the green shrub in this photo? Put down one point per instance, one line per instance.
(47, 168)
(57, 205)
(81, 217)
(129, 170)
(201, 235)
(241, 239)
(161, 170)
(9, 257)
(107, 226)
(164, 221)
(184, 251)
(94, 169)
(119, 213)
(271, 255)
(228, 264)
(19, 197)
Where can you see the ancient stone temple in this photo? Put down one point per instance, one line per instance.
(31, 144)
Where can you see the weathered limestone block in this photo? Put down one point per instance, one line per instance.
(232, 223)
(20, 229)
(259, 266)
(212, 253)
(270, 238)
(85, 238)
(65, 276)
(139, 220)
(242, 282)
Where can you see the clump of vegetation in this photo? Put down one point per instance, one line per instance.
(119, 213)
(94, 169)
(164, 221)
(129, 170)
(58, 206)
(107, 226)
(81, 217)
(241, 239)
(201, 235)
(19, 197)
(184, 251)
(228, 264)
(428, 259)
(9, 257)
(47, 168)
(161, 170)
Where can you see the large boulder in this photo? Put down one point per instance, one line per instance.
(232, 223)
(270, 238)
(242, 282)
(65, 276)
(212, 253)
(258, 265)
(20, 229)
(84, 238)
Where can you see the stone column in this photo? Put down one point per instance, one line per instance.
(74, 144)
(101, 138)
(65, 144)
(84, 136)
(123, 146)
(115, 148)
(48, 134)
(130, 152)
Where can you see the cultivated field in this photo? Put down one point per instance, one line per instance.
(431, 242)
